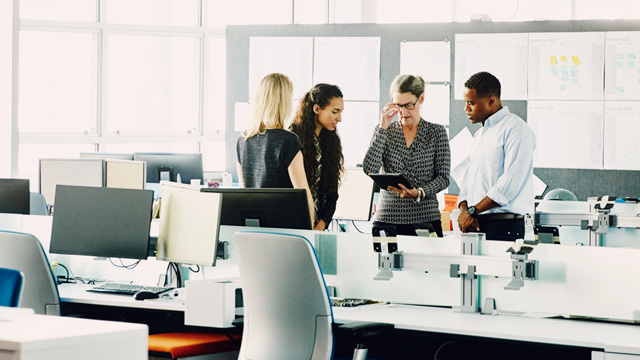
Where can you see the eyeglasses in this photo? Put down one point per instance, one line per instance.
(408, 106)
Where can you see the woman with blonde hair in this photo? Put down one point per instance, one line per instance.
(269, 156)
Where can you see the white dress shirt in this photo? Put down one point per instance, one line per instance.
(501, 165)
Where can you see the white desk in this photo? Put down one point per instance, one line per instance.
(610, 338)
(78, 294)
(36, 337)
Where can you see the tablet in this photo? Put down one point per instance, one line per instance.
(390, 179)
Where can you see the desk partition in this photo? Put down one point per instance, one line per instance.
(80, 172)
(572, 280)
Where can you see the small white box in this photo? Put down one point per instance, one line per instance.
(211, 302)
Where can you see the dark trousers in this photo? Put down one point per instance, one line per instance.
(508, 227)
(410, 229)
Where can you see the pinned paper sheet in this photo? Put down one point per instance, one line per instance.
(457, 174)
(450, 202)
(460, 146)
(538, 186)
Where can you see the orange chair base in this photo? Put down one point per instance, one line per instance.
(179, 345)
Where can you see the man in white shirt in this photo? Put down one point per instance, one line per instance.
(497, 188)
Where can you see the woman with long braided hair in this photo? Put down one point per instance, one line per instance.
(315, 122)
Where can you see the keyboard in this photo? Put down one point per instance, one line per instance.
(127, 289)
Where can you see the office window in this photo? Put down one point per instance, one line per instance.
(413, 11)
(153, 12)
(215, 104)
(221, 13)
(178, 147)
(58, 10)
(6, 86)
(152, 84)
(30, 155)
(57, 95)
(352, 11)
(509, 10)
(213, 156)
(609, 9)
(310, 12)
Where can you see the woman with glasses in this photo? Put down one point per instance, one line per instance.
(315, 122)
(268, 155)
(415, 148)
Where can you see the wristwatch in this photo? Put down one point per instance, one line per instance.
(472, 211)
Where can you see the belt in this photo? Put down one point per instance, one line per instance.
(500, 216)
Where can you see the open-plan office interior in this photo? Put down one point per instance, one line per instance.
(119, 121)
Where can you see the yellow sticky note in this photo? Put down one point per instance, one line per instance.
(575, 60)
(563, 58)
(554, 60)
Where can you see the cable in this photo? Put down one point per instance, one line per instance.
(354, 225)
(70, 278)
(176, 270)
(197, 269)
(123, 265)
(514, 12)
(435, 356)
(235, 341)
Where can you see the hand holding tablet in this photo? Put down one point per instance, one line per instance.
(390, 179)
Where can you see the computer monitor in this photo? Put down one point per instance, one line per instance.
(168, 187)
(101, 222)
(274, 208)
(80, 172)
(14, 196)
(125, 174)
(167, 166)
(355, 196)
(105, 155)
(189, 227)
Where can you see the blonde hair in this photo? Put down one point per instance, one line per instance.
(272, 105)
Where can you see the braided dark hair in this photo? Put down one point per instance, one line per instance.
(304, 124)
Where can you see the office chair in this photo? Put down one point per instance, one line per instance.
(38, 205)
(287, 307)
(24, 252)
(10, 285)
